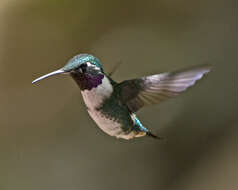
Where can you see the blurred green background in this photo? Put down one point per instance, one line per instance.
(48, 141)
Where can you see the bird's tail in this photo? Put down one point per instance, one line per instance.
(149, 134)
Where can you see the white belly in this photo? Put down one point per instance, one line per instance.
(108, 126)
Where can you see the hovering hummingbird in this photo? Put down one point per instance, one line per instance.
(113, 105)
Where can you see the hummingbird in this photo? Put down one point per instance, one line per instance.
(113, 105)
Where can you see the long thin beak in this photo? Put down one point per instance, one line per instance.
(60, 71)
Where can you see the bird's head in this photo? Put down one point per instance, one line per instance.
(83, 63)
(79, 65)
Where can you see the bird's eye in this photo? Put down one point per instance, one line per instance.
(83, 67)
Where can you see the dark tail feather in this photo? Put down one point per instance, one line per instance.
(152, 135)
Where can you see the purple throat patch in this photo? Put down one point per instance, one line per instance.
(88, 81)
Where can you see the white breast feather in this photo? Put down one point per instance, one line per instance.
(93, 99)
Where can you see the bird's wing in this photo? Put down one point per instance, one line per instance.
(154, 89)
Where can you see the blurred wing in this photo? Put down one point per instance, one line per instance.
(154, 89)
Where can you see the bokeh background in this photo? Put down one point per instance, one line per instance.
(48, 141)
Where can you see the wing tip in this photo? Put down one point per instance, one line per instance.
(203, 70)
(206, 67)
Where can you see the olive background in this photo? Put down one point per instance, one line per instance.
(47, 139)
